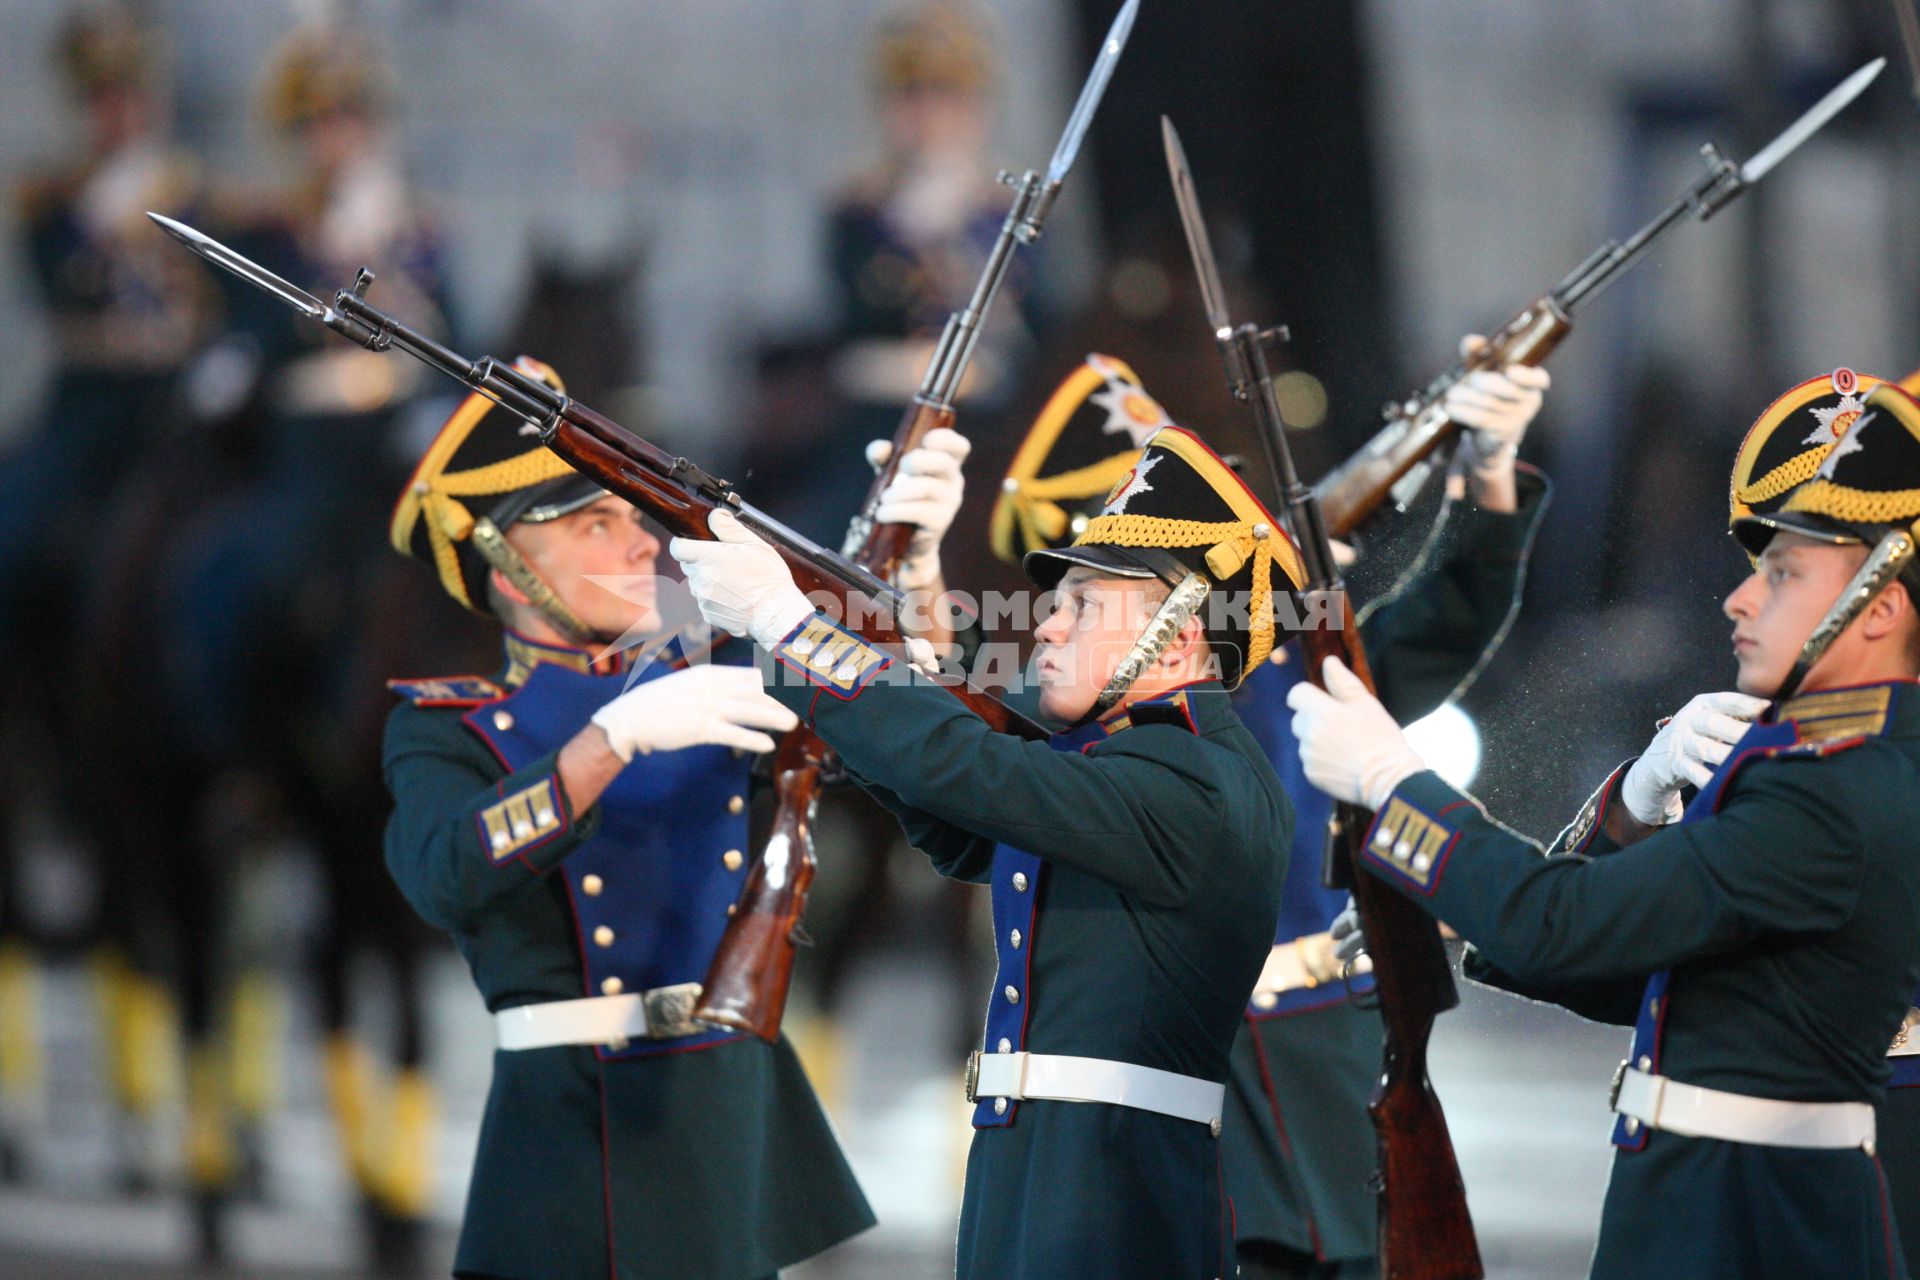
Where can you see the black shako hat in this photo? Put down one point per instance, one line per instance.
(1867, 486)
(1181, 510)
(485, 463)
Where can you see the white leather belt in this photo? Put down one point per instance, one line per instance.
(660, 1014)
(1059, 1078)
(1307, 961)
(1689, 1110)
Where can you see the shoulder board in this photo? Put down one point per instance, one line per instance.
(448, 691)
(1834, 714)
(1171, 710)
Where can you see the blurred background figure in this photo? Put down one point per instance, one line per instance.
(906, 240)
(125, 316)
(279, 619)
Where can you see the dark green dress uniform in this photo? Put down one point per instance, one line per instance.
(1766, 946)
(699, 1155)
(1135, 865)
(1135, 880)
(687, 1152)
(1298, 1143)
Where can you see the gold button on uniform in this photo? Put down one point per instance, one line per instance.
(999, 1106)
(1005, 1045)
(1013, 994)
(737, 804)
(612, 987)
(603, 936)
(1015, 939)
(1265, 999)
(1019, 882)
(503, 720)
(731, 859)
(1633, 1125)
(592, 885)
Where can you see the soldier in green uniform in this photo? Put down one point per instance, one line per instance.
(1764, 942)
(579, 827)
(1297, 1143)
(1135, 860)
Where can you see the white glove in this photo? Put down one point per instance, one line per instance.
(1686, 750)
(740, 583)
(1495, 405)
(706, 705)
(925, 492)
(1349, 746)
(1349, 940)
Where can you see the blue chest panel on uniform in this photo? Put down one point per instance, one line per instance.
(1307, 906)
(1647, 1031)
(1017, 877)
(658, 863)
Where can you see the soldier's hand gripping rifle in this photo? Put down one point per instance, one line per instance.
(1395, 463)
(752, 969)
(1425, 1231)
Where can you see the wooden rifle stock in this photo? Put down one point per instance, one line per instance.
(752, 970)
(1425, 1229)
(1419, 425)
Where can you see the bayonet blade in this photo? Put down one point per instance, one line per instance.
(1212, 292)
(1092, 91)
(252, 272)
(1811, 122)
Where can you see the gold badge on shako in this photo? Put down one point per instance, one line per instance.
(1836, 418)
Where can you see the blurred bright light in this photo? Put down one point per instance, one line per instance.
(1449, 742)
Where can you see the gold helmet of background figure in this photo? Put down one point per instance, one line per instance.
(102, 46)
(318, 71)
(943, 44)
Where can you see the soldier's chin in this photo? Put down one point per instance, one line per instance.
(642, 623)
(1066, 702)
(1758, 679)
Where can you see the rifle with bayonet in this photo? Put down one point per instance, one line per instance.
(673, 490)
(1425, 1230)
(747, 982)
(1395, 463)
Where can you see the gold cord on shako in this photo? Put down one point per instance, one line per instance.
(486, 461)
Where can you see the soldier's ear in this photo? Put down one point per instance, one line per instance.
(1191, 642)
(505, 590)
